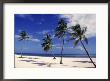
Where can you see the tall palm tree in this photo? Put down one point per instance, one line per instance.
(47, 43)
(23, 36)
(78, 35)
(60, 32)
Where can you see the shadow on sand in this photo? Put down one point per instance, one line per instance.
(28, 57)
(89, 67)
(28, 60)
(83, 61)
(22, 57)
(74, 66)
(40, 64)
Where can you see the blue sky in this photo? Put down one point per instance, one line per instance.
(36, 25)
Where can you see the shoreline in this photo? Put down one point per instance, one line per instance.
(49, 62)
(66, 56)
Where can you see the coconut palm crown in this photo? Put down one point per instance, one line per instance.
(47, 43)
(23, 35)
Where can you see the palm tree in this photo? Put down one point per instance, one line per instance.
(60, 32)
(78, 35)
(23, 36)
(47, 43)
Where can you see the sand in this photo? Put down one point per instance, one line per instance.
(49, 62)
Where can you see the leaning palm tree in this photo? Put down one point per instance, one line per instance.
(23, 36)
(60, 32)
(78, 35)
(47, 43)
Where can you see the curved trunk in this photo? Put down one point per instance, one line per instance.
(62, 51)
(21, 51)
(88, 53)
(53, 54)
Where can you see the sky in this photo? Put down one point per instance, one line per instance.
(36, 25)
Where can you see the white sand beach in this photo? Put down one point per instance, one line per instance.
(49, 62)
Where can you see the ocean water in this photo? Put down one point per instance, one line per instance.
(58, 55)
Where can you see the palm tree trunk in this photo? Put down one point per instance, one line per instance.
(21, 50)
(62, 51)
(52, 54)
(54, 57)
(87, 53)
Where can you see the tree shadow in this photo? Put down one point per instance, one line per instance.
(35, 58)
(22, 57)
(89, 67)
(74, 66)
(40, 64)
(27, 60)
(83, 61)
(32, 58)
(34, 61)
(50, 64)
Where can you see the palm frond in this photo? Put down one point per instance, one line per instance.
(76, 42)
(70, 39)
(61, 29)
(83, 30)
(74, 35)
(83, 37)
(23, 35)
(47, 42)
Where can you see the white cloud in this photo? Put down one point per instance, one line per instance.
(67, 47)
(27, 16)
(30, 38)
(53, 45)
(53, 36)
(80, 48)
(45, 31)
(34, 40)
(59, 46)
(88, 20)
(17, 36)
